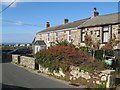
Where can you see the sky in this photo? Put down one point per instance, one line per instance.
(23, 20)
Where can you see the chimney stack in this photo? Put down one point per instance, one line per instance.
(47, 24)
(66, 21)
(95, 13)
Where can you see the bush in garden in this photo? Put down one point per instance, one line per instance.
(88, 40)
(60, 57)
(99, 54)
(65, 43)
(84, 49)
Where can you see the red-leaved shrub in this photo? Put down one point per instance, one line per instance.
(65, 54)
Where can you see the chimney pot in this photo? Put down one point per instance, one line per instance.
(47, 24)
(95, 13)
(95, 9)
(66, 21)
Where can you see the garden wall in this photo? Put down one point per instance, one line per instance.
(94, 79)
(27, 62)
(16, 59)
(100, 79)
(24, 60)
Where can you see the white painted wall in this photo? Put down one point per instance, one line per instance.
(38, 48)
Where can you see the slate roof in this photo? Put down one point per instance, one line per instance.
(40, 42)
(88, 22)
(102, 20)
(33, 41)
(65, 26)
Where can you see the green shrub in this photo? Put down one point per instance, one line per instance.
(60, 57)
(87, 68)
(65, 43)
(85, 49)
(99, 54)
(118, 66)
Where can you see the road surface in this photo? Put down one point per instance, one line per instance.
(16, 77)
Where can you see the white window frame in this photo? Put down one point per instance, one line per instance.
(56, 38)
(48, 37)
(69, 35)
(83, 35)
(97, 33)
(40, 36)
(105, 34)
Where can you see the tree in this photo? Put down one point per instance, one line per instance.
(88, 40)
(96, 45)
(111, 43)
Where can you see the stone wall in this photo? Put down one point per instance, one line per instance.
(28, 62)
(46, 71)
(105, 78)
(16, 59)
(76, 35)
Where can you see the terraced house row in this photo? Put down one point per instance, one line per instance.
(100, 28)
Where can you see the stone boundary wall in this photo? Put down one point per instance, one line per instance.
(105, 78)
(16, 59)
(101, 79)
(28, 62)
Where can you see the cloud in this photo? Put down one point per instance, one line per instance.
(19, 23)
(8, 2)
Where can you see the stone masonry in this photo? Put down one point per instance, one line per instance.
(76, 35)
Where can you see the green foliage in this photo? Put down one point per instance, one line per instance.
(87, 68)
(65, 43)
(52, 44)
(99, 54)
(118, 66)
(111, 43)
(88, 40)
(101, 86)
(60, 57)
(84, 49)
(109, 52)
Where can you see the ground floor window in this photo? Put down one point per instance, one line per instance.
(69, 36)
(105, 34)
(82, 35)
(48, 38)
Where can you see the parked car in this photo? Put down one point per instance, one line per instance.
(20, 51)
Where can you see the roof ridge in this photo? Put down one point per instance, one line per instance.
(97, 18)
(109, 14)
(63, 24)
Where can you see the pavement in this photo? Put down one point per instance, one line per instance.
(16, 77)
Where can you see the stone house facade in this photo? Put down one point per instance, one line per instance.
(102, 28)
(99, 27)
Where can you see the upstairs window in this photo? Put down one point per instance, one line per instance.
(105, 34)
(119, 29)
(91, 32)
(82, 35)
(69, 36)
(40, 36)
(56, 35)
(97, 33)
(48, 38)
